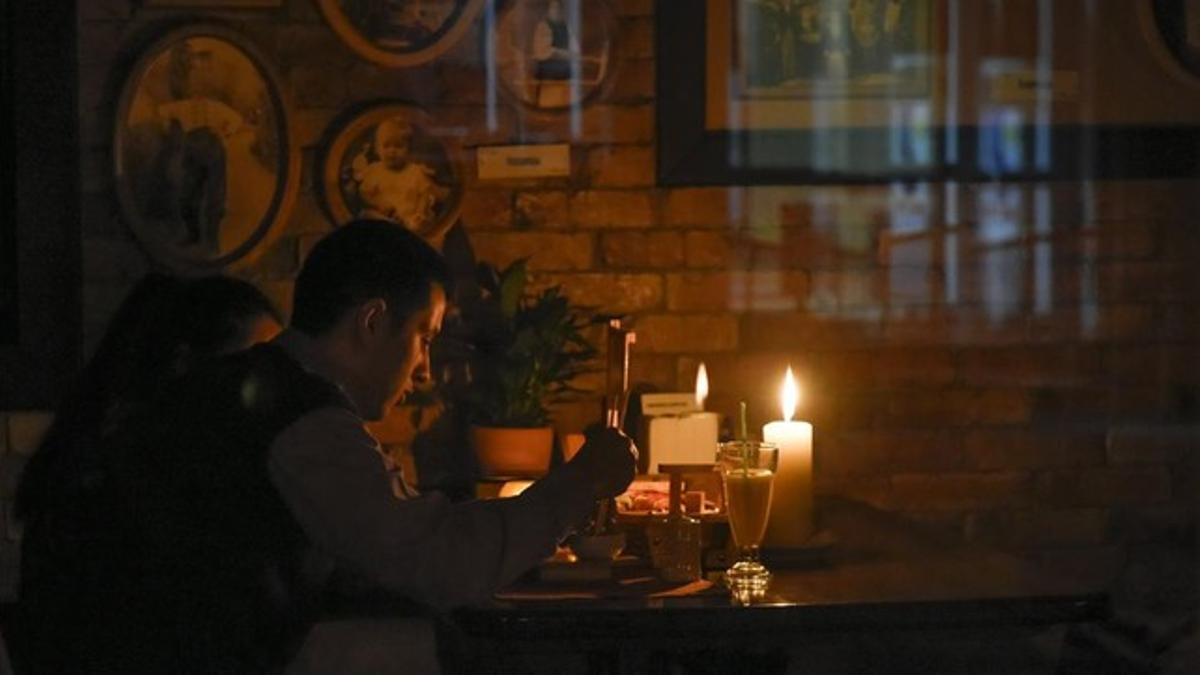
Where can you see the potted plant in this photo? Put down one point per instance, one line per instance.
(526, 349)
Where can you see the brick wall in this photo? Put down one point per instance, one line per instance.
(1020, 362)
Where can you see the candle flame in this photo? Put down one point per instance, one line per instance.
(789, 395)
(701, 386)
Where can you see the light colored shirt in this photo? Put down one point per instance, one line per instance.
(330, 472)
(202, 113)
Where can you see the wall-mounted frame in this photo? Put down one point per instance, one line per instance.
(1174, 26)
(400, 34)
(753, 92)
(920, 105)
(551, 55)
(385, 162)
(205, 162)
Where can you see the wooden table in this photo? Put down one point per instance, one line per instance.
(887, 588)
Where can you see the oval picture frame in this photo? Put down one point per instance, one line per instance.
(394, 38)
(205, 163)
(550, 55)
(384, 162)
(1175, 29)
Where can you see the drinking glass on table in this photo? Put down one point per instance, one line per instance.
(747, 473)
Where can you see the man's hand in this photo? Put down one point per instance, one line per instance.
(609, 459)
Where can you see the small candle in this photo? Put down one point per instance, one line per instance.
(690, 438)
(701, 427)
(791, 522)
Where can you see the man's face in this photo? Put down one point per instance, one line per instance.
(202, 74)
(398, 357)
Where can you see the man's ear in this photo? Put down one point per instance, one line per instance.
(370, 320)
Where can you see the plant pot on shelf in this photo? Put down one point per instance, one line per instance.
(512, 452)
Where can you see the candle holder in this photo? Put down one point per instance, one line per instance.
(676, 541)
(748, 474)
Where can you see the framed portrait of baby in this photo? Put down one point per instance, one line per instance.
(553, 54)
(206, 166)
(400, 33)
(385, 162)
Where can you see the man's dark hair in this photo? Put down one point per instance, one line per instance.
(365, 259)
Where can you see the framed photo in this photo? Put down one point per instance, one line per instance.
(1177, 24)
(401, 33)
(206, 166)
(384, 162)
(553, 54)
(743, 84)
(753, 92)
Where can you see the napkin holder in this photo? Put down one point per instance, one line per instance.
(676, 431)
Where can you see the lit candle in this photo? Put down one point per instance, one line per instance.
(700, 428)
(687, 437)
(791, 522)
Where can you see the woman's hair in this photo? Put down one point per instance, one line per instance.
(164, 327)
(221, 310)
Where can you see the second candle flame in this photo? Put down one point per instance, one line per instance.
(701, 386)
(789, 395)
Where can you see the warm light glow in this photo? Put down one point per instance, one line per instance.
(513, 488)
(701, 386)
(789, 395)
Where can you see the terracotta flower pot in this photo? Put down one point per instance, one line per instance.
(513, 452)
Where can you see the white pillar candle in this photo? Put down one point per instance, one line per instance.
(791, 521)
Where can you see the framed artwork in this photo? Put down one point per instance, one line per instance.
(1177, 23)
(743, 84)
(553, 54)
(384, 162)
(754, 92)
(206, 167)
(402, 33)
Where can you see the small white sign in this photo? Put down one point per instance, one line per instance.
(1030, 85)
(524, 161)
(656, 405)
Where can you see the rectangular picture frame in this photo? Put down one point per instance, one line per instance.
(707, 135)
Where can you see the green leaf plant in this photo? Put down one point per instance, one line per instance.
(526, 349)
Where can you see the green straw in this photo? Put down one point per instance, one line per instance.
(743, 438)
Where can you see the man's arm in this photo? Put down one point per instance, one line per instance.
(328, 470)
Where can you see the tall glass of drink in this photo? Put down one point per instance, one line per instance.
(748, 472)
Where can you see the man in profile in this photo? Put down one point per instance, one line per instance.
(255, 482)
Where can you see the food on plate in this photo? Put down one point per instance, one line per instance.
(654, 496)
